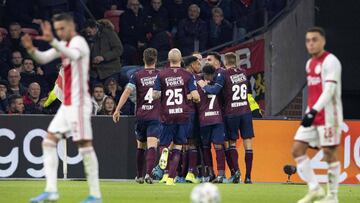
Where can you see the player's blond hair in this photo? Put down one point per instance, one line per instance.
(174, 56)
(230, 59)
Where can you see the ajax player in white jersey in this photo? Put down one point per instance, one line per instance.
(321, 125)
(74, 115)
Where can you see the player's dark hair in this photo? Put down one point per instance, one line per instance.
(62, 17)
(230, 58)
(208, 69)
(216, 55)
(26, 59)
(13, 98)
(98, 85)
(90, 24)
(150, 56)
(14, 23)
(189, 60)
(319, 30)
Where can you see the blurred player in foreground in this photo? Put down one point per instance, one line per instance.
(173, 85)
(148, 126)
(321, 125)
(74, 116)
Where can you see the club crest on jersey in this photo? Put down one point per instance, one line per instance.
(318, 69)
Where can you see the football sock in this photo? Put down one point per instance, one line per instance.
(91, 167)
(220, 160)
(305, 171)
(140, 157)
(174, 162)
(193, 153)
(333, 176)
(207, 157)
(184, 163)
(248, 162)
(51, 163)
(229, 161)
(234, 156)
(150, 159)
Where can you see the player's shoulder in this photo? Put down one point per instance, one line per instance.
(332, 60)
(78, 39)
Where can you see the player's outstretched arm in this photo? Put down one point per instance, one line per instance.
(41, 57)
(124, 97)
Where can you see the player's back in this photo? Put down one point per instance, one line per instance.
(76, 75)
(209, 108)
(235, 92)
(174, 84)
(146, 107)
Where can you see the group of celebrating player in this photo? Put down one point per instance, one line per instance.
(184, 109)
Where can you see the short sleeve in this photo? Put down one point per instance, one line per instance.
(132, 82)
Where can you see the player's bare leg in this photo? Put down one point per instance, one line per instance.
(234, 157)
(140, 158)
(306, 172)
(51, 163)
(220, 160)
(150, 158)
(173, 163)
(248, 159)
(91, 167)
(330, 156)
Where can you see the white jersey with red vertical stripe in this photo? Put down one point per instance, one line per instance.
(76, 74)
(322, 71)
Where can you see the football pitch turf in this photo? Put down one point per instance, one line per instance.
(114, 191)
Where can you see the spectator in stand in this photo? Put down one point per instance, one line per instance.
(16, 60)
(207, 6)
(16, 105)
(105, 50)
(220, 30)
(157, 24)
(113, 89)
(178, 10)
(15, 87)
(31, 74)
(248, 15)
(192, 32)
(3, 96)
(98, 7)
(132, 32)
(98, 98)
(108, 107)
(5, 56)
(32, 101)
(15, 35)
(50, 7)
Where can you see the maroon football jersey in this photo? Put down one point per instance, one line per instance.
(209, 109)
(146, 107)
(175, 84)
(235, 92)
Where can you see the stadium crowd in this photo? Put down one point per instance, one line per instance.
(190, 25)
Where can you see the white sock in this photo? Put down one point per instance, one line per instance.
(91, 167)
(307, 173)
(51, 163)
(333, 176)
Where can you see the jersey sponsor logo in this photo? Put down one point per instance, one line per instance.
(174, 81)
(238, 78)
(238, 104)
(148, 81)
(312, 81)
(176, 111)
(212, 113)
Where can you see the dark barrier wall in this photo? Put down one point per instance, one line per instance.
(20, 147)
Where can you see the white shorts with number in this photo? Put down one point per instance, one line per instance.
(319, 136)
(72, 121)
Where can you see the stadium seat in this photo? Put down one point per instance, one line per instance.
(114, 17)
(32, 32)
(3, 31)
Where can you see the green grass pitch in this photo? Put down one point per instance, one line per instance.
(128, 192)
